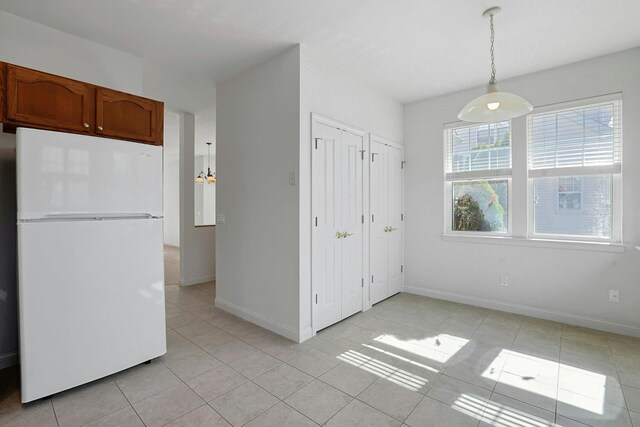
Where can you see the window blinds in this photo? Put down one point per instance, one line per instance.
(478, 151)
(584, 140)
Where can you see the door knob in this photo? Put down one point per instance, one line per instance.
(86, 125)
(387, 229)
(345, 234)
(100, 128)
(338, 235)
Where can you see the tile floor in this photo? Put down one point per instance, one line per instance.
(409, 361)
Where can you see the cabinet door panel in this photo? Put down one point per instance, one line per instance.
(45, 100)
(126, 116)
(379, 200)
(326, 248)
(351, 219)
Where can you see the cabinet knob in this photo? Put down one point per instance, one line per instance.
(100, 128)
(86, 125)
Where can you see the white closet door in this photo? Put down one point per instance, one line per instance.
(326, 247)
(351, 215)
(379, 195)
(395, 221)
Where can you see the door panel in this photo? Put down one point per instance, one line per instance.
(326, 249)
(351, 219)
(45, 100)
(56, 174)
(91, 297)
(379, 221)
(395, 221)
(127, 116)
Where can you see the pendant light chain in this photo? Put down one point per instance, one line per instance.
(493, 63)
(494, 105)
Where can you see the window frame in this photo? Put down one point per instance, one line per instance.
(616, 175)
(471, 176)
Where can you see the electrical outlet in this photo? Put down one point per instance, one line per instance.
(614, 295)
(292, 178)
(504, 281)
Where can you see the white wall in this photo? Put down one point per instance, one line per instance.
(326, 92)
(197, 244)
(561, 284)
(27, 43)
(171, 189)
(264, 133)
(257, 147)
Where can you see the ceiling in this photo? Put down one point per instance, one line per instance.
(406, 49)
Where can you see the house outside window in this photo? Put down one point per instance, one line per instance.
(575, 170)
(570, 193)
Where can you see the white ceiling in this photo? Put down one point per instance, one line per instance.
(407, 49)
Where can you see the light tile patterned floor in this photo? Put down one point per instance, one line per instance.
(409, 361)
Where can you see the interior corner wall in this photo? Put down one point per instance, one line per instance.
(171, 175)
(33, 45)
(561, 284)
(339, 97)
(257, 150)
(197, 244)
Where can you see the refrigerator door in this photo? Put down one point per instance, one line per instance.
(62, 173)
(91, 299)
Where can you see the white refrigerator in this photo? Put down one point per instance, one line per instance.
(90, 258)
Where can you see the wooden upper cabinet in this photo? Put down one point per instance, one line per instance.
(31, 98)
(121, 115)
(49, 101)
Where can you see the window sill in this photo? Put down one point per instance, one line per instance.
(536, 243)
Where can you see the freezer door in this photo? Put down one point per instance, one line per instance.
(62, 173)
(91, 301)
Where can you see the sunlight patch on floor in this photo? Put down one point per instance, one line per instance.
(502, 415)
(470, 405)
(384, 370)
(447, 346)
(404, 359)
(578, 387)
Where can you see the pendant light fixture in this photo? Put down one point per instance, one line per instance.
(494, 105)
(209, 177)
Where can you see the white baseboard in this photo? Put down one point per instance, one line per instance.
(305, 334)
(8, 359)
(260, 320)
(198, 280)
(542, 313)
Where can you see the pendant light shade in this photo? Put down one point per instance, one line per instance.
(209, 177)
(494, 105)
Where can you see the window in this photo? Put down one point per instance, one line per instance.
(478, 177)
(575, 165)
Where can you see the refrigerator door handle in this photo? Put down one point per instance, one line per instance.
(91, 217)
